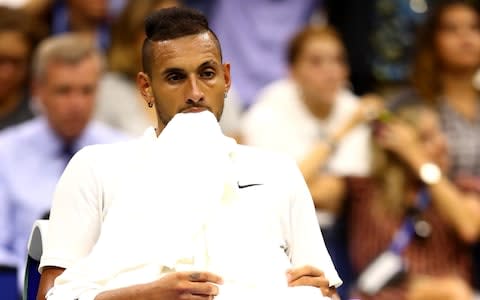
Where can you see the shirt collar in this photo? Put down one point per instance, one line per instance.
(54, 144)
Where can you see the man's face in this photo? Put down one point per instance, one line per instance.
(14, 53)
(187, 76)
(67, 95)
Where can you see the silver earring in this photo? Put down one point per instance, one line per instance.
(225, 95)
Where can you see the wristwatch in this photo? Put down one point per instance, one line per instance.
(430, 173)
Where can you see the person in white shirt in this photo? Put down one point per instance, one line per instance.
(184, 212)
(313, 117)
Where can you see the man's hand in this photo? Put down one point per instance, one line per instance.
(311, 276)
(173, 286)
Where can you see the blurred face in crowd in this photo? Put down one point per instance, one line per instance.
(433, 140)
(91, 9)
(14, 53)
(67, 94)
(187, 76)
(320, 69)
(458, 38)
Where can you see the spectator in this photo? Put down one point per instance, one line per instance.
(66, 70)
(447, 59)
(408, 215)
(18, 37)
(306, 116)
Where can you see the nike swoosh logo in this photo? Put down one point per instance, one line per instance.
(247, 185)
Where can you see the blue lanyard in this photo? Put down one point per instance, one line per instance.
(405, 233)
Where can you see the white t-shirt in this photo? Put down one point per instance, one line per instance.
(280, 121)
(270, 188)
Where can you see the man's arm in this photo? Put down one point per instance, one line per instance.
(74, 222)
(47, 279)
(173, 286)
(305, 242)
(328, 192)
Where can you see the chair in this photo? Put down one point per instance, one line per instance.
(8, 283)
(35, 250)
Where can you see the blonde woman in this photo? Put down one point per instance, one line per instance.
(408, 216)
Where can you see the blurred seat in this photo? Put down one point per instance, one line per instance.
(8, 283)
(35, 250)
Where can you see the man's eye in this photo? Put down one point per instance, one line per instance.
(174, 77)
(208, 74)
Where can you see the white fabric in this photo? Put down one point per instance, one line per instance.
(181, 188)
(280, 121)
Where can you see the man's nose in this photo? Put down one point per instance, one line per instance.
(194, 93)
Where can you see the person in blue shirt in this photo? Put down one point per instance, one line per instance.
(33, 155)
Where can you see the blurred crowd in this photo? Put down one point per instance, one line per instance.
(377, 100)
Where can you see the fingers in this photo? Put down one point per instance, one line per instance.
(310, 276)
(201, 277)
(295, 273)
(202, 289)
(319, 282)
(195, 297)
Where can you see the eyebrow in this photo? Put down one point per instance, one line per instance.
(172, 70)
(208, 63)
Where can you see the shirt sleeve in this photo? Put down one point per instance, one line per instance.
(305, 241)
(76, 213)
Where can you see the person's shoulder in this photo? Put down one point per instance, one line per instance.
(275, 92)
(16, 135)
(274, 103)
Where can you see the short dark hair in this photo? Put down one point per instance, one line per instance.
(171, 23)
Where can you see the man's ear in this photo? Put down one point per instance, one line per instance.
(227, 77)
(145, 88)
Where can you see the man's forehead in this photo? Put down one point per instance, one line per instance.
(199, 47)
